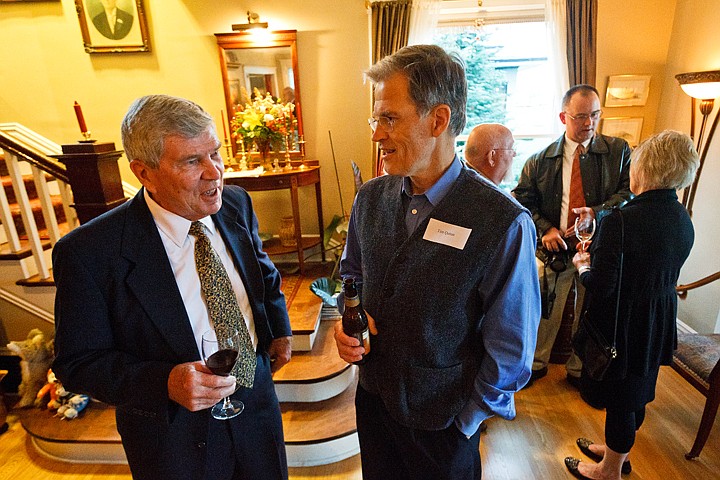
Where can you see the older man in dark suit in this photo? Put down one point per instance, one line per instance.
(130, 308)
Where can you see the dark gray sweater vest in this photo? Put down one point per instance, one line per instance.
(423, 297)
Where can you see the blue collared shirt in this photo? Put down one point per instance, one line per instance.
(510, 294)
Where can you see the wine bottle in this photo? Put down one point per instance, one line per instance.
(354, 320)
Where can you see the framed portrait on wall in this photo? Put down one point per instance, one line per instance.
(113, 26)
(627, 128)
(627, 90)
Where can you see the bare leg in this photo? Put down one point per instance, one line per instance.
(608, 469)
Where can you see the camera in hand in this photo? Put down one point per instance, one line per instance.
(555, 261)
(354, 320)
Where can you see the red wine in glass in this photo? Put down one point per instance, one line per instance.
(222, 362)
(220, 356)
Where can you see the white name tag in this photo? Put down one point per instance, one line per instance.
(447, 234)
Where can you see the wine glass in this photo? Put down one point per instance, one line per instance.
(584, 229)
(220, 356)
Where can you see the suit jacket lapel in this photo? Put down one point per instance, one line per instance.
(152, 281)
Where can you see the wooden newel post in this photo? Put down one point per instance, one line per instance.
(94, 176)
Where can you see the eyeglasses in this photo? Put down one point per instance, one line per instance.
(387, 123)
(583, 117)
(513, 150)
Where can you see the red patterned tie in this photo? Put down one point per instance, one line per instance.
(577, 196)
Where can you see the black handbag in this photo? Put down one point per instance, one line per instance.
(589, 343)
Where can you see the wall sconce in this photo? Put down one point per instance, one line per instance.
(253, 22)
(703, 86)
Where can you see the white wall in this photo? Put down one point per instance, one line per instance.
(44, 68)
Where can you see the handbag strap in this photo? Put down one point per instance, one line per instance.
(613, 349)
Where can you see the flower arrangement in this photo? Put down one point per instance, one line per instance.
(264, 121)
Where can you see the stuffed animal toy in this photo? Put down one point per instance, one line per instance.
(36, 356)
(53, 388)
(73, 407)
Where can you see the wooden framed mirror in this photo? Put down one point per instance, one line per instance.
(266, 60)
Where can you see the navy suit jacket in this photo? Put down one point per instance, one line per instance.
(121, 326)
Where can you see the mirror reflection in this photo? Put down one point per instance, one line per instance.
(268, 65)
(269, 70)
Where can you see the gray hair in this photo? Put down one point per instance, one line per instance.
(435, 77)
(666, 160)
(582, 89)
(152, 118)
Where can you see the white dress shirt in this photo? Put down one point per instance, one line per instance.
(568, 154)
(180, 248)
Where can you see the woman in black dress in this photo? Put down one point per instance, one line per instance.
(658, 236)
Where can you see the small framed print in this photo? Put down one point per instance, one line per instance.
(627, 128)
(113, 26)
(627, 90)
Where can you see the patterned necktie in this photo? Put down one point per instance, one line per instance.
(222, 305)
(577, 196)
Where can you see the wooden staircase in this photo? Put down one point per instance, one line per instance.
(36, 205)
(316, 392)
(34, 202)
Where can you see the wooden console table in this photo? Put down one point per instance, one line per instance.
(291, 180)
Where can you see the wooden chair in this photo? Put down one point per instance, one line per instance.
(697, 359)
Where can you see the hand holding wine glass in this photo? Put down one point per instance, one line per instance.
(584, 230)
(220, 356)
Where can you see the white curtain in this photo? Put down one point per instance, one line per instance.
(423, 20)
(555, 13)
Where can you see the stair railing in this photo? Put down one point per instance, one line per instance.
(682, 290)
(26, 152)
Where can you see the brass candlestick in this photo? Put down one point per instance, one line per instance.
(301, 145)
(229, 154)
(288, 161)
(243, 155)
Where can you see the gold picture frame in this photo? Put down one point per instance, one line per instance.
(627, 90)
(627, 128)
(129, 32)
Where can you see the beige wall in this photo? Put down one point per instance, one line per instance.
(44, 68)
(633, 38)
(695, 46)
(663, 38)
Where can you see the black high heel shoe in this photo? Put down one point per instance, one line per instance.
(584, 446)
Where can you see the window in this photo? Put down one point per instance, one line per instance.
(506, 49)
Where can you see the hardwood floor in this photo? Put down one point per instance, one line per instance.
(550, 417)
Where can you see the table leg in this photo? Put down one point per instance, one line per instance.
(321, 228)
(296, 219)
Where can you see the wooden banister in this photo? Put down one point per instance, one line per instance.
(683, 289)
(10, 141)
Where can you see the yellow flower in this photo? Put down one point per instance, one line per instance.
(264, 118)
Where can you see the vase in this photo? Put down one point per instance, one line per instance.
(263, 147)
(287, 232)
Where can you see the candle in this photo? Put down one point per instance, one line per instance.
(80, 118)
(222, 116)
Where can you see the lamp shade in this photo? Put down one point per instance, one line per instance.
(700, 85)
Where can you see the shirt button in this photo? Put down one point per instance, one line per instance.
(414, 211)
(200, 445)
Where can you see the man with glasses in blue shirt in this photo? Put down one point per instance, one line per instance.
(447, 270)
(581, 174)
